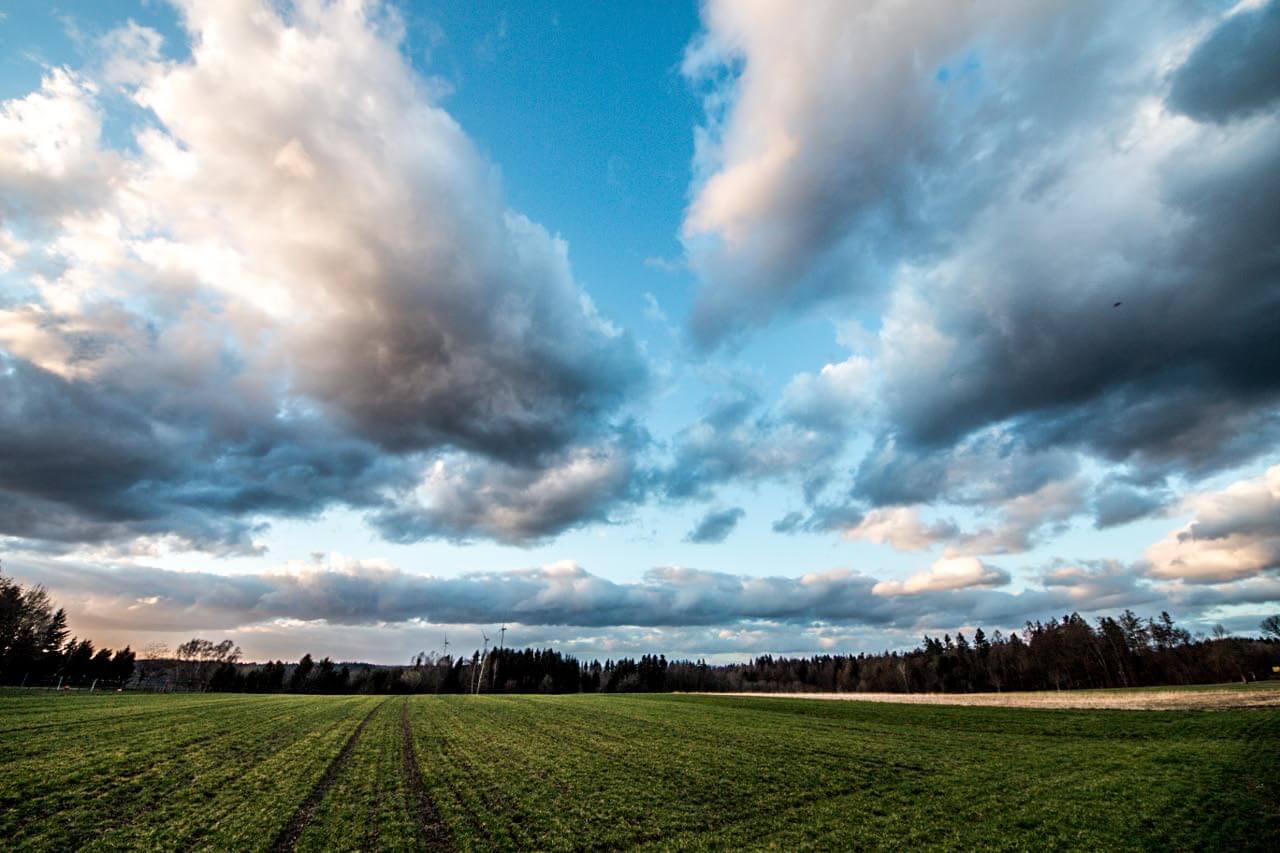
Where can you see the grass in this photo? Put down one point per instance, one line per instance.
(577, 772)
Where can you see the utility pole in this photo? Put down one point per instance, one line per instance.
(444, 659)
(480, 675)
(502, 640)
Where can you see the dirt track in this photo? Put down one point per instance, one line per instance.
(433, 834)
(1261, 695)
(303, 815)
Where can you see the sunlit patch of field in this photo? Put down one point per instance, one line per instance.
(611, 771)
(1218, 696)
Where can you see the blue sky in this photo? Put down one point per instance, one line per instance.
(711, 329)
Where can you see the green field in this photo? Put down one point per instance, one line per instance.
(590, 771)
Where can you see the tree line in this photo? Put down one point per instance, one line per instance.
(1060, 654)
(35, 649)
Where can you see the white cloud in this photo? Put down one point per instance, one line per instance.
(50, 159)
(946, 574)
(901, 528)
(1235, 534)
(131, 53)
(837, 396)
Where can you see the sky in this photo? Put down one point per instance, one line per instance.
(710, 329)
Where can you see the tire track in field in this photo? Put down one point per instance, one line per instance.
(302, 816)
(431, 829)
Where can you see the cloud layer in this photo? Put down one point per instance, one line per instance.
(675, 608)
(350, 592)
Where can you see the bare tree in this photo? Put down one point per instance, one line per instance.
(155, 650)
(199, 659)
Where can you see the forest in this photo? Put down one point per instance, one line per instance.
(1061, 654)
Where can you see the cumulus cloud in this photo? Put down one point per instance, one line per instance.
(902, 528)
(1076, 268)
(461, 499)
(1018, 497)
(839, 139)
(945, 574)
(716, 525)
(795, 437)
(300, 286)
(50, 155)
(130, 54)
(1107, 585)
(833, 399)
(1235, 534)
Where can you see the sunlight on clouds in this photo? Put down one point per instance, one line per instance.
(901, 528)
(945, 574)
(1235, 534)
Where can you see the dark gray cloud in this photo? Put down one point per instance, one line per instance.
(354, 593)
(988, 468)
(81, 464)
(1026, 494)
(716, 525)
(1183, 376)
(1116, 503)
(562, 594)
(1235, 71)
